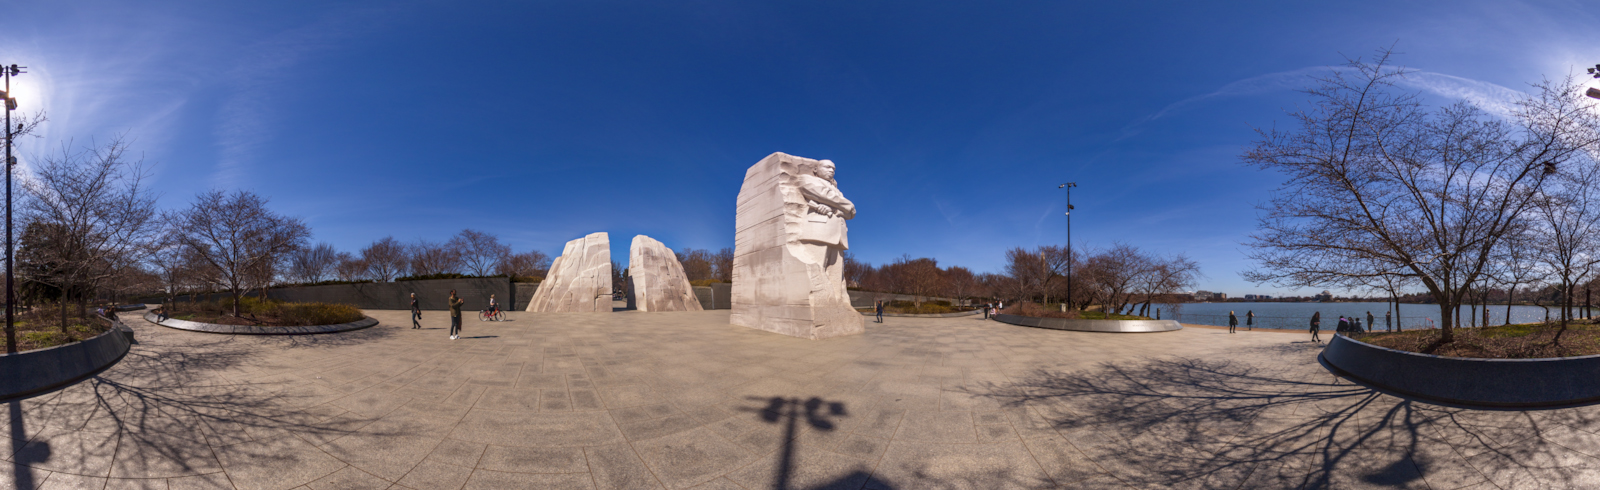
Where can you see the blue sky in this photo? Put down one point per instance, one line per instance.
(951, 122)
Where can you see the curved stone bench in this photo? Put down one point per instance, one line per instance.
(39, 371)
(1076, 325)
(1499, 383)
(258, 330)
(930, 315)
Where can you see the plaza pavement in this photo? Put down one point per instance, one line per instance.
(684, 400)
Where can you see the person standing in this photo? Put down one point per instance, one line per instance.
(1233, 322)
(1316, 326)
(878, 308)
(1369, 321)
(455, 315)
(1388, 324)
(1343, 326)
(986, 311)
(1250, 320)
(416, 313)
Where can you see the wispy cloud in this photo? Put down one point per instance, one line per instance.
(245, 117)
(1495, 99)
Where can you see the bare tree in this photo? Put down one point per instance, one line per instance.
(313, 264)
(349, 268)
(960, 283)
(722, 265)
(697, 263)
(1568, 216)
(98, 214)
(1164, 276)
(1375, 178)
(386, 259)
(532, 263)
(430, 258)
(481, 252)
(237, 236)
(1115, 272)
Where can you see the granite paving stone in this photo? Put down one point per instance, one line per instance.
(686, 400)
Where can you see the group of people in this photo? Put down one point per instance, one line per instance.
(455, 304)
(1347, 325)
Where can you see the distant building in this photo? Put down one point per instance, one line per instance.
(1219, 296)
(1203, 295)
(1325, 296)
(1251, 297)
(1264, 297)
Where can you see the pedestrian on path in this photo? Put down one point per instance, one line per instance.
(416, 313)
(455, 315)
(1250, 320)
(1387, 324)
(878, 307)
(1233, 322)
(1369, 321)
(986, 311)
(1316, 326)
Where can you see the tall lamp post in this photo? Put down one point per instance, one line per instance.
(11, 105)
(1594, 92)
(1068, 186)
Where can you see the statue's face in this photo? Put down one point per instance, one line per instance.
(825, 169)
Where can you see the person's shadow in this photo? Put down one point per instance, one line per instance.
(24, 453)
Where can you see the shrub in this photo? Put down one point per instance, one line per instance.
(318, 313)
(445, 275)
(1036, 311)
(704, 283)
(527, 278)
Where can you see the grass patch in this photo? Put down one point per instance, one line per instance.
(1520, 341)
(1036, 311)
(269, 313)
(39, 327)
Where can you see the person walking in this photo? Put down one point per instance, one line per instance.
(455, 315)
(878, 307)
(1233, 322)
(985, 311)
(1388, 324)
(1316, 326)
(1250, 320)
(416, 313)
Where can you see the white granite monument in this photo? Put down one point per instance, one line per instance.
(579, 280)
(656, 280)
(788, 276)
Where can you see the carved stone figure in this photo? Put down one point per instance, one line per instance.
(579, 280)
(656, 281)
(789, 231)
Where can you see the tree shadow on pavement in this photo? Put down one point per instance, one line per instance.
(169, 406)
(1198, 423)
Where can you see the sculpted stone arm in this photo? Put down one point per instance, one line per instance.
(821, 191)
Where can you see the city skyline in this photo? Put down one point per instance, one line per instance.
(951, 126)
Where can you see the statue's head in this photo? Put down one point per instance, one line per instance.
(821, 169)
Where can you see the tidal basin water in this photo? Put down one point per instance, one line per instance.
(1297, 316)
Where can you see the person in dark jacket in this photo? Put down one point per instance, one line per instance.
(1316, 326)
(1233, 323)
(1343, 326)
(1250, 320)
(455, 315)
(416, 312)
(878, 307)
(1370, 325)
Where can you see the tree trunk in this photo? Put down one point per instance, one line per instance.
(1447, 333)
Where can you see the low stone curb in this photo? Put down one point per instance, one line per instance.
(1106, 326)
(256, 330)
(41, 371)
(1492, 383)
(931, 315)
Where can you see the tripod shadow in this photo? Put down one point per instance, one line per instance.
(817, 414)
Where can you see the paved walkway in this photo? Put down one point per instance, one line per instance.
(683, 400)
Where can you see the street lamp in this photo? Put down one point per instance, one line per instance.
(1068, 186)
(1594, 92)
(11, 296)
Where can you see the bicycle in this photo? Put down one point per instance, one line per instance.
(491, 315)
